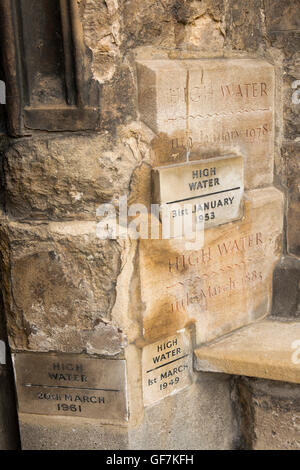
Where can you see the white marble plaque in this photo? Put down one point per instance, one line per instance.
(209, 106)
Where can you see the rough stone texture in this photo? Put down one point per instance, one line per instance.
(147, 23)
(102, 35)
(245, 25)
(59, 282)
(271, 414)
(286, 289)
(206, 107)
(2, 120)
(282, 16)
(283, 34)
(206, 406)
(291, 109)
(69, 177)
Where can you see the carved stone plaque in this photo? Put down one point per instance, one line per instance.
(210, 191)
(71, 385)
(210, 106)
(167, 367)
(219, 285)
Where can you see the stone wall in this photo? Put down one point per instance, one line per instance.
(67, 291)
(270, 413)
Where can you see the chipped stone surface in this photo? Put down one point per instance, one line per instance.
(60, 287)
(64, 178)
(101, 23)
(293, 215)
(270, 414)
(286, 289)
(282, 16)
(245, 26)
(202, 30)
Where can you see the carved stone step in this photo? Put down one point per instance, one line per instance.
(266, 349)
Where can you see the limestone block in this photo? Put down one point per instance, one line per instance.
(282, 16)
(245, 25)
(208, 106)
(270, 414)
(59, 287)
(266, 349)
(291, 105)
(218, 286)
(66, 177)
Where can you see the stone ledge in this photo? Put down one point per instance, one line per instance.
(263, 349)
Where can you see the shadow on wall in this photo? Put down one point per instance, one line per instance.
(9, 429)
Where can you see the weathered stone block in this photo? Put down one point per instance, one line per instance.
(66, 177)
(220, 286)
(291, 107)
(244, 25)
(212, 106)
(271, 414)
(291, 156)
